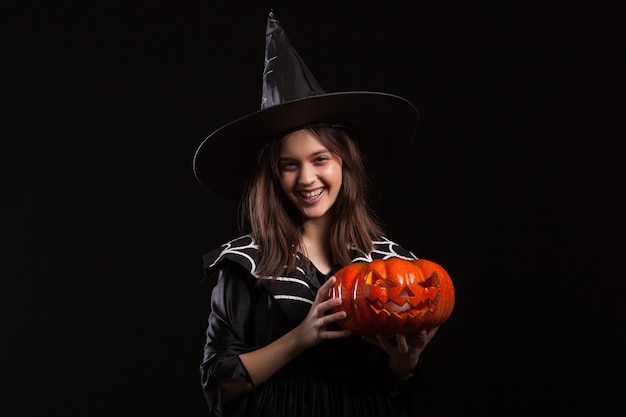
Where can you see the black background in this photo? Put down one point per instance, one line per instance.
(514, 186)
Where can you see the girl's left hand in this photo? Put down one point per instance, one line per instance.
(403, 350)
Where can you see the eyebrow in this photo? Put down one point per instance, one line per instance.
(314, 154)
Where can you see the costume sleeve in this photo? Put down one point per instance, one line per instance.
(231, 301)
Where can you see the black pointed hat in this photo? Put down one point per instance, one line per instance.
(381, 123)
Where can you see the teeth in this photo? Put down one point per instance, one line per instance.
(310, 194)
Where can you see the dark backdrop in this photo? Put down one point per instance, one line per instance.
(514, 186)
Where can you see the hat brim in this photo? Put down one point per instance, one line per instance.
(383, 124)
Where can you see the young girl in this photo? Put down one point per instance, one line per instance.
(273, 347)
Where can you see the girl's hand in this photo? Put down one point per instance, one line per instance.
(264, 362)
(313, 328)
(403, 350)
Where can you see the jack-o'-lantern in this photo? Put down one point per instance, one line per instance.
(393, 296)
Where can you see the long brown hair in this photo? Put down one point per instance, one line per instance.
(276, 224)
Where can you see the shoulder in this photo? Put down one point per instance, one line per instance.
(385, 249)
(242, 250)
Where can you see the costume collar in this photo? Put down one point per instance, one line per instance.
(294, 292)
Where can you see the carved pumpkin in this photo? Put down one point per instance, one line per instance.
(393, 296)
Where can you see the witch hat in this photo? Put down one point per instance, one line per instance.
(381, 123)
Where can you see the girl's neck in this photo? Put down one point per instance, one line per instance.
(315, 244)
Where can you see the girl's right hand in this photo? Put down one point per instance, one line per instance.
(264, 362)
(313, 328)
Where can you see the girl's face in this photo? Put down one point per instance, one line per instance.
(310, 175)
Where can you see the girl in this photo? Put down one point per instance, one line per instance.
(273, 347)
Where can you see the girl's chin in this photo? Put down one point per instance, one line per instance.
(313, 214)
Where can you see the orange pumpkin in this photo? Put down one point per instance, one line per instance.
(393, 296)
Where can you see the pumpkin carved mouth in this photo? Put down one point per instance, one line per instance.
(406, 309)
(405, 303)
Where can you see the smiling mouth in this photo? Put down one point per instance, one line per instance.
(311, 194)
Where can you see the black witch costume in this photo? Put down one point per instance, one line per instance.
(341, 377)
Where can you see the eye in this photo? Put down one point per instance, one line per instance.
(375, 279)
(321, 159)
(432, 281)
(287, 165)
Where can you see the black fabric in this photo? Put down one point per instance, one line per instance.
(286, 77)
(344, 377)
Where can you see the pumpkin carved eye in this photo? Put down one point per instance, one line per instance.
(432, 281)
(376, 280)
(393, 296)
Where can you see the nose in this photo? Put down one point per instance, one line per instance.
(307, 174)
